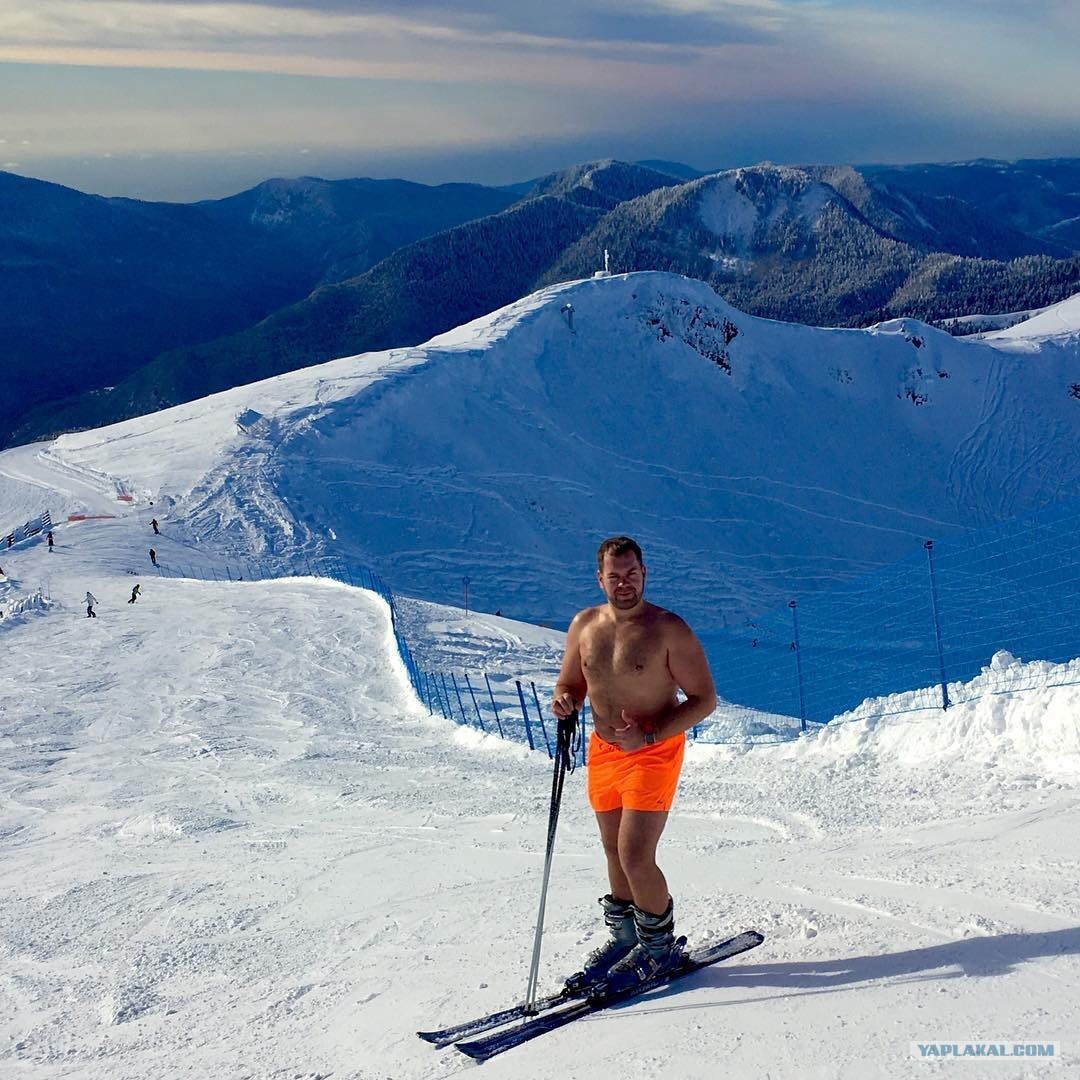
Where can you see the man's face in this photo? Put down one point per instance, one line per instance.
(623, 580)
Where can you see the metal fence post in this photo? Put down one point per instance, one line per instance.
(525, 714)
(798, 664)
(446, 695)
(406, 659)
(476, 706)
(498, 719)
(440, 685)
(461, 706)
(929, 545)
(433, 684)
(540, 713)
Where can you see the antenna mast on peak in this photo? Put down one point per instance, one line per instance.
(606, 272)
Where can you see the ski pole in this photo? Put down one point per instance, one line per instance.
(565, 750)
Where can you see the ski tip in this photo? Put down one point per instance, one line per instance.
(755, 936)
(748, 939)
(475, 1051)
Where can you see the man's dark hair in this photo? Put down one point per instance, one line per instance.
(617, 545)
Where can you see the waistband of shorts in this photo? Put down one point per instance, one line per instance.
(599, 745)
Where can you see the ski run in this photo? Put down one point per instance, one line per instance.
(234, 845)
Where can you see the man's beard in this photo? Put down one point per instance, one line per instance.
(624, 603)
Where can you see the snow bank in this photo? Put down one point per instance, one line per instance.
(1034, 731)
(10, 607)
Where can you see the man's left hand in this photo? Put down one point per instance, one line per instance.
(629, 737)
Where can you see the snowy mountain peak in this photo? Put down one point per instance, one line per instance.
(751, 210)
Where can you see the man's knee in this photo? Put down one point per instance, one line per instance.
(636, 858)
(609, 824)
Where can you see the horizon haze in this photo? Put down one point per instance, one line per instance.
(179, 101)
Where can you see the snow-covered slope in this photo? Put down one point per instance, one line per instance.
(739, 221)
(1058, 320)
(753, 459)
(233, 845)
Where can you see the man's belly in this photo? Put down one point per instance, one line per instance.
(608, 705)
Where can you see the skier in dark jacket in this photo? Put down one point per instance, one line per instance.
(134, 594)
(153, 556)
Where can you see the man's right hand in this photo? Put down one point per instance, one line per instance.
(563, 704)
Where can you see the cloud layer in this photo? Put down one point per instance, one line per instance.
(369, 76)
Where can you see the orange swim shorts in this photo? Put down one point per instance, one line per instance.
(645, 779)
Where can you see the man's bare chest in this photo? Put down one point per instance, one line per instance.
(632, 652)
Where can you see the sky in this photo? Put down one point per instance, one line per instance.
(184, 100)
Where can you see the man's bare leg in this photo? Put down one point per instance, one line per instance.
(630, 838)
(609, 822)
(639, 833)
(638, 912)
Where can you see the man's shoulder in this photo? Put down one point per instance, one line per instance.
(587, 617)
(670, 622)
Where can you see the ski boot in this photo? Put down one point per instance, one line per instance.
(656, 953)
(619, 916)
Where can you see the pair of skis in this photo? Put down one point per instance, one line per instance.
(564, 1007)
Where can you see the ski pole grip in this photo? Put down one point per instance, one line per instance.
(568, 724)
(567, 740)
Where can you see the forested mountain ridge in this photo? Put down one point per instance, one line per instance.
(368, 266)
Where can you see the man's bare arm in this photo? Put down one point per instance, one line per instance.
(570, 687)
(690, 670)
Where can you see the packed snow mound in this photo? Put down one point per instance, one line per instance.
(753, 459)
(1055, 321)
(1033, 733)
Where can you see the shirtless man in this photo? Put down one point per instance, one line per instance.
(630, 657)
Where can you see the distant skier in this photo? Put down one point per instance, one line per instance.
(630, 657)
(49, 538)
(135, 594)
(153, 556)
(153, 525)
(91, 600)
